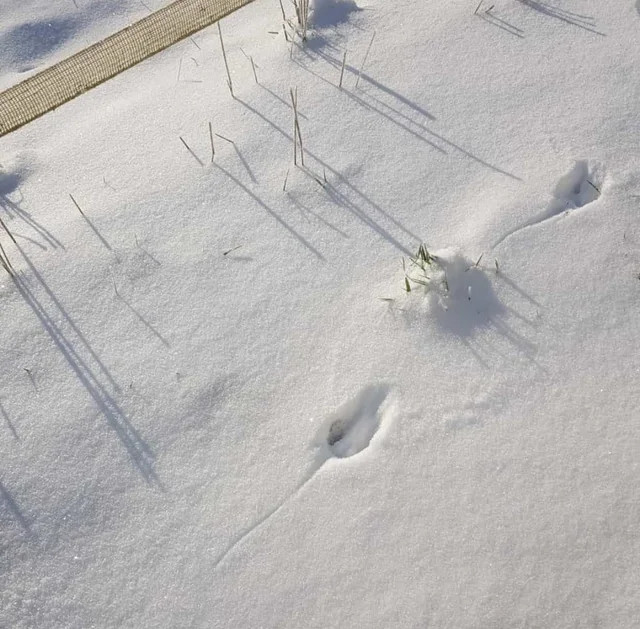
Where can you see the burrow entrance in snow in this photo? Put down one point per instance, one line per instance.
(579, 187)
(351, 428)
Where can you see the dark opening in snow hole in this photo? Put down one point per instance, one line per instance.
(580, 186)
(353, 426)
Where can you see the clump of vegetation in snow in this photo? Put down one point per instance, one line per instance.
(421, 269)
(449, 280)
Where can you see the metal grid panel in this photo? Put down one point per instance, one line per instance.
(73, 76)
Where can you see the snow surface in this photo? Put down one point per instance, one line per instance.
(282, 436)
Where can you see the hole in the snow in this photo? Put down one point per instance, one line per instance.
(580, 186)
(352, 427)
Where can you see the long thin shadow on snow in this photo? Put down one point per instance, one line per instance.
(365, 77)
(13, 507)
(7, 421)
(282, 100)
(371, 107)
(69, 321)
(420, 127)
(575, 19)
(507, 280)
(361, 214)
(305, 210)
(31, 240)
(150, 327)
(139, 452)
(101, 238)
(245, 164)
(403, 126)
(494, 20)
(271, 212)
(340, 199)
(13, 210)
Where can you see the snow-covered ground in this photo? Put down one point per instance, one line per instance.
(219, 406)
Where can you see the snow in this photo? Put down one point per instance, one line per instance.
(220, 407)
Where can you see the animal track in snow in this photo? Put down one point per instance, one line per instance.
(346, 432)
(581, 186)
(350, 429)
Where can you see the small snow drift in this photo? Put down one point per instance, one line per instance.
(351, 428)
(580, 186)
(331, 12)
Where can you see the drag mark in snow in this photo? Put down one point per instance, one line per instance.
(254, 527)
(345, 433)
(581, 186)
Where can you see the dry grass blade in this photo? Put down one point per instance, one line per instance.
(223, 138)
(213, 150)
(296, 125)
(295, 137)
(344, 61)
(302, 13)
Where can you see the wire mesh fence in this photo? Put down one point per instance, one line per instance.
(77, 74)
